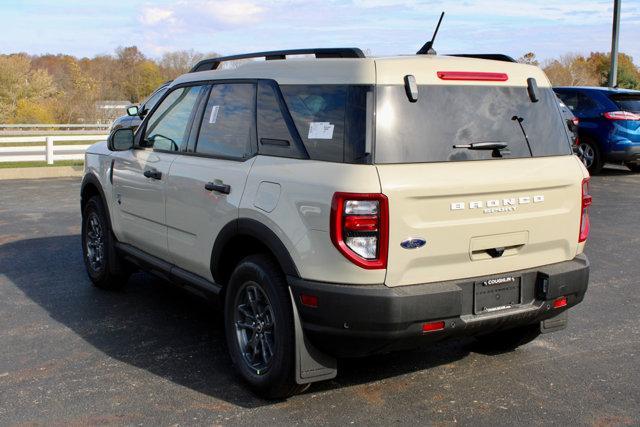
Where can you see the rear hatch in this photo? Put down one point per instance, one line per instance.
(481, 212)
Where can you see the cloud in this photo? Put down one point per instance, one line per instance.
(232, 12)
(154, 15)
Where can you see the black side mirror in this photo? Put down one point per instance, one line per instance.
(133, 110)
(121, 140)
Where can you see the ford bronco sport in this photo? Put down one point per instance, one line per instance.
(341, 206)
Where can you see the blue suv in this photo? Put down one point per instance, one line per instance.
(609, 125)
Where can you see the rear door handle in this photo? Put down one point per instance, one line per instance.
(220, 188)
(152, 173)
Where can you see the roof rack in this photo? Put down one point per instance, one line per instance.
(341, 52)
(492, 56)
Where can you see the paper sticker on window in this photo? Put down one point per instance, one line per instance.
(320, 130)
(214, 114)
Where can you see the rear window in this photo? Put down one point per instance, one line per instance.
(447, 115)
(627, 102)
(331, 120)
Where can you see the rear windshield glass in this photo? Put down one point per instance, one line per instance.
(626, 102)
(446, 115)
(331, 120)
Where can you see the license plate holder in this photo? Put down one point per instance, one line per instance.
(497, 294)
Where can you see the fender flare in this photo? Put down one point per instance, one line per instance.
(92, 179)
(253, 228)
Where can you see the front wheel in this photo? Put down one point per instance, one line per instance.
(105, 269)
(259, 327)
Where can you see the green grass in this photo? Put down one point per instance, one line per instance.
(40, 164)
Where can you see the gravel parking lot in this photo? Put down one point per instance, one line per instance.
(153, 355)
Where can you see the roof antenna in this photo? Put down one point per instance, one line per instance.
(427, 49)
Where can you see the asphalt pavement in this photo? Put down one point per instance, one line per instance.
(71, 354)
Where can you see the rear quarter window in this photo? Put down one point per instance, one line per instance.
(331, 120)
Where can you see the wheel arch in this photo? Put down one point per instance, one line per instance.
(243, 237)
(91, 187)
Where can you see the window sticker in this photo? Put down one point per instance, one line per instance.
(214, 114)
(320, 130)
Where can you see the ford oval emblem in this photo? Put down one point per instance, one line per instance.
(413, 243)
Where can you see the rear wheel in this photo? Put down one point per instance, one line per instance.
(105, 269)
(589, 153)
(634, 167)
(259, 327)
(508, 340)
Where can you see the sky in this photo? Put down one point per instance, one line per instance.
(382, 27)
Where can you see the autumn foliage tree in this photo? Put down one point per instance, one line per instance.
(65, 89)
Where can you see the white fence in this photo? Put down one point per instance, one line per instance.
(49, 151)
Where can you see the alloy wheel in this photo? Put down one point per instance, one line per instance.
(587, 154)
(255, 327)
(94, 242)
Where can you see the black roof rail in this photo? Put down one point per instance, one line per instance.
(492, 56)
(340, 52)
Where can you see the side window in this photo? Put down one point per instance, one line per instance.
(570, 99)
(228, 123)
(168, 126)
(587, 106)
(153, 99)
(274, 137)
(319, 113)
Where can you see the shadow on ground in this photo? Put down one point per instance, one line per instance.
(163, 330)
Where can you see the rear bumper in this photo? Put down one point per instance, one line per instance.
(365, 319)
(625, 153)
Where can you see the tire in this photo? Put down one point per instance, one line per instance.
(590, 155)
(634, 167)
(104, 267)
(259, 327)
(507, 340)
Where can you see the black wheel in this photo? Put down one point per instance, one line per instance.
(589, 153)
(259, 327)
(104, 267)
(634, 167)
(508, 340)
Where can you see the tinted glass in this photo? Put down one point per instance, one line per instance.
(626, 102)
(444, 116)
(274, 136)
(579, 103)
(167, 128)
(331, 120)
(153, 99)
(227, 127)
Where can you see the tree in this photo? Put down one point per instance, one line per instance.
(529, 58)
(19, 82)
(628, 74)
(179, 62)
(571, 70)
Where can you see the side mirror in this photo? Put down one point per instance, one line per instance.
(132, 110)
(121, 140)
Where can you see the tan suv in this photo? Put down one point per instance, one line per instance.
(340, 206)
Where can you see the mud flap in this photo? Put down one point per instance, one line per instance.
(555, 323)
(311, 364)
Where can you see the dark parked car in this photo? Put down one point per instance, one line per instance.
(572, 123)
(609, 127)
(135, 113)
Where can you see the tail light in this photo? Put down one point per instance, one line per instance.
(360, 228)
(576, 121)
(621, 115)
(584, 218)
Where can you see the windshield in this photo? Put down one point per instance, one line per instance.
(446, 115)
(627, 102)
